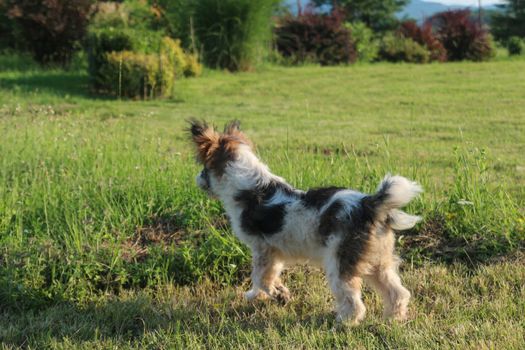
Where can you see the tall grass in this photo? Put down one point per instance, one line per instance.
(99, 196)
(89, 206)
(233, 33)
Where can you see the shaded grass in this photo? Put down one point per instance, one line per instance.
(453, 306)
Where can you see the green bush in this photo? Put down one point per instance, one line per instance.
(233, 34)
(395, 48)
(123, 63)
(185, 64)
(515, 46)
(98, 44)
(132, 74)
(366, 45)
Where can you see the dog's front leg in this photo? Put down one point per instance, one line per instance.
(266, 269)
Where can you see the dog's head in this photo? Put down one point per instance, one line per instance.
(217, 151)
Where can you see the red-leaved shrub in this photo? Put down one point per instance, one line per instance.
(51, 28)
(463, 37)
(314, 37)
(423, 35)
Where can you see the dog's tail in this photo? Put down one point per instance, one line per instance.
(393, 193)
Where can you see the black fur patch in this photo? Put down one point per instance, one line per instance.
(329, 222)
(355, 241)
(206, 177)
(259, 218)
(317, 197)
(360, 223)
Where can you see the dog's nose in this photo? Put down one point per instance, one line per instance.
(201, 182)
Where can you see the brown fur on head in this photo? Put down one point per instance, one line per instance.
(214, 149)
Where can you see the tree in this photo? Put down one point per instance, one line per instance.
(376, 14)
(511, 22)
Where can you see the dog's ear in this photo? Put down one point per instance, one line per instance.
(206, 139)
(232, 127)
(232, 130)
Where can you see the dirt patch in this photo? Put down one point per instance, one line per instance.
(160, 231)
(433, 241)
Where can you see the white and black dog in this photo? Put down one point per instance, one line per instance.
(348, 233)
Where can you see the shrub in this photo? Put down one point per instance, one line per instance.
(515, 46)
(154, 60)
(461, 36)
(423, 35)
(128, 57)
(51, 29)
(100, 42)
(185, 64)
(366, 46)
(396, 48)
(132, 74)
(313, 37)
(233, 34)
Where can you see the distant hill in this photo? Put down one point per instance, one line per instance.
(416, 9)
(419, 9)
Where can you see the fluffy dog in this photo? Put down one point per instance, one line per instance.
(348, 233)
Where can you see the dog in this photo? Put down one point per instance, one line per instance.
(348, 233)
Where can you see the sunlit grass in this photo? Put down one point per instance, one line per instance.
(98, 204)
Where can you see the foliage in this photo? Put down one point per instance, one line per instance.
(313, 37)
(8, 30)
(132, 74)
(128, 57)
(423, 35)
(137, 14)
(462, 37)
(397, 48)
(177, 18)
(233, 34)
(510, 22)
(124, 64)
(376, 14)
(515, 45)
(51, 29)
(366, 46)
(100, 42)
(185, 64)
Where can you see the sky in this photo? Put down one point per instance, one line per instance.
(467, 2)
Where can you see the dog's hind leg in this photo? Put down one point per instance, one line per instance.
(266, 268)
(387, 282)
(347, 293)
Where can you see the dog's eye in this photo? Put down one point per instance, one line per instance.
(206, 176)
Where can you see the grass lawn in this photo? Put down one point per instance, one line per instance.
(106, 241)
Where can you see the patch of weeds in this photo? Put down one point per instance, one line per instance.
(477, 221)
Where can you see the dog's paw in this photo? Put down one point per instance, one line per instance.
(282, 295)
(350, 315)
(252, 294)
(348, 320)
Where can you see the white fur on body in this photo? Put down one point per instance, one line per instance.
(299, 239)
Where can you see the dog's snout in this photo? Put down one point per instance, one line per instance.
(203, 179)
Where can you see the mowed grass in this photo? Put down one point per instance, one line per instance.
(106, 241)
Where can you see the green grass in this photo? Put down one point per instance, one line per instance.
(106, 241)
(453, 307)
